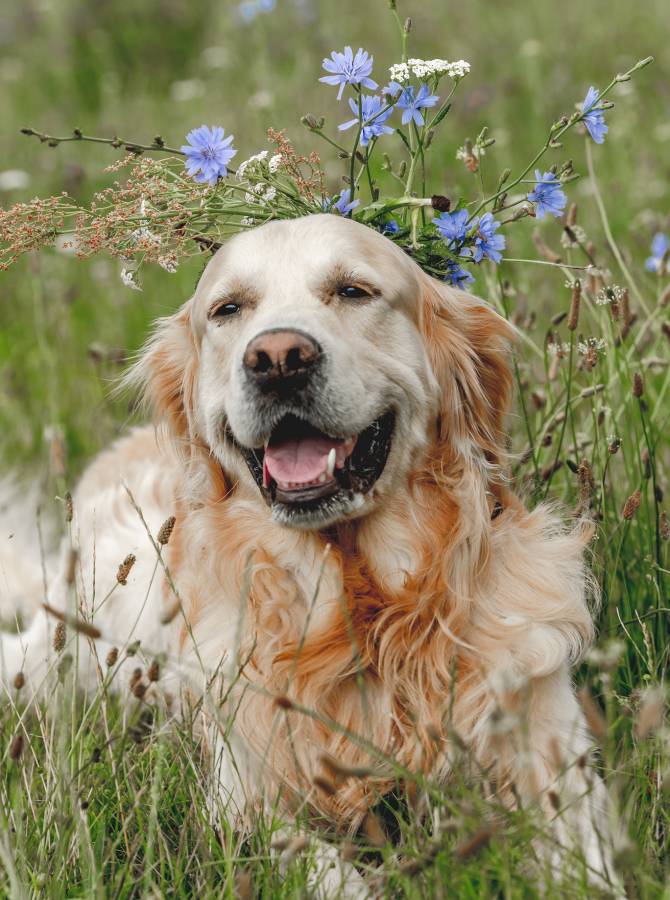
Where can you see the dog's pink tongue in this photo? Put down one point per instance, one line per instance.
(299, 461)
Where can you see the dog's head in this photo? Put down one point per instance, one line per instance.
(320, 366)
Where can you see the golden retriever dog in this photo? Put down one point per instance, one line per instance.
(349, 571)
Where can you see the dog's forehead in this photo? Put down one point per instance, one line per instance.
(300, 251)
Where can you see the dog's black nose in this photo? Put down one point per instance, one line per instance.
(278, 354)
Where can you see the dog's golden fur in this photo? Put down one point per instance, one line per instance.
(444, 608)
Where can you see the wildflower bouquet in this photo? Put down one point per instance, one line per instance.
(175, 201)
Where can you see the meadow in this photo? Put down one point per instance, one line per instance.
(100, 800)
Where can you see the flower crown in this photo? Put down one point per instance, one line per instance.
(178, 201)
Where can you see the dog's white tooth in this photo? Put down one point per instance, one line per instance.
(322, 478)
(330, 468)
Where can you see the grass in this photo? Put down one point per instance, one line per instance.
(107, 800)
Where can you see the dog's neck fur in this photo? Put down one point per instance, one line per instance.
(354, 622)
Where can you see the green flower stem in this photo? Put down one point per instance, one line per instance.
(555, 134)
(608, 231)
(319, 133)
(131, 146)
(564, 424)
(352, 183)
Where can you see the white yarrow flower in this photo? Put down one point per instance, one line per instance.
(592, 343)
(275, 162)
(128, 279)
(251, 163)
(168, 263)
(428, 68)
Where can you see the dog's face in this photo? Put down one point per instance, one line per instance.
(312, 371)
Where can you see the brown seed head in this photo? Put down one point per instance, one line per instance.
(473, 845)
(16, 747)
(19, 680)
(165, 531)
(575, 301)
(664, 525)
(125, 567)
(283, 702)
(638, 385)
(154, 671)
(139, 690)
(59, 637)
(440, 203)
(71, 569)
(112, 657)
(632, 505)
(136, 677)
(244, 885)
(571, 216)
(594, 718)
(325, 784)
(373, 830)
(69, 509)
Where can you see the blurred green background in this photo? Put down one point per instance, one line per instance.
(164, 66)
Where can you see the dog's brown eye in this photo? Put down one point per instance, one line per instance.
(226, 309)
(352, 292)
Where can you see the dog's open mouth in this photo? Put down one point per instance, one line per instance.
(304, 469)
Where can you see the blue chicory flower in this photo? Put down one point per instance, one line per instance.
(249, 9)
(488, 244)
(390, 227)
(456, 275)
(453, 227)
(373, 118)
(412, 103)
(594, 118)
(392, 89)
(208, 153)
(658, 261)
(547, 195)
(343, 205)
(345, 68)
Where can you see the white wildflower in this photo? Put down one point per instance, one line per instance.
(128, 279)
(250, 198)
(275, 162)
(270, 194)
(400, 72)
(475, 150)
(590, 344)
(251, 163)
(168, 263)
(558, 349)
(428, 68)
(606, 295)
(247, 220)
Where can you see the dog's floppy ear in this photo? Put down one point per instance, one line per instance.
(468, 345)
(166, 372)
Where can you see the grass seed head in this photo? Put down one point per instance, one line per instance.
(638, 385)
(373, 830)
(475, 844)
(16, 747)
(594, 717)
(19, 680)
(664, 525)
(125, 567)
(69, 509)
(165, 531)
(112, 657)
(632, 505)
(154, 671)
(59, 637)
(575, 302)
